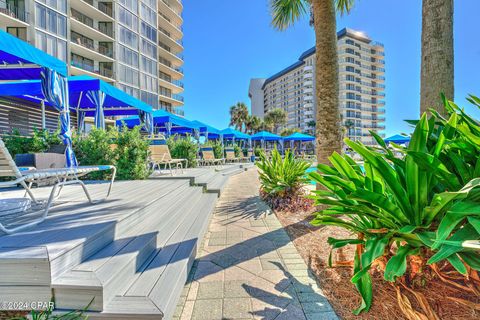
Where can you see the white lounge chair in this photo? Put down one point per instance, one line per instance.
(208, 157)
(60, 177)
(160, 155)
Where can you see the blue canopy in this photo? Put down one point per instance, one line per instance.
(207, 130)
(266, 136)
(297, 136)
(398, 139)
(164, 121)
(19, 60)
(116, 101)
(230, 134)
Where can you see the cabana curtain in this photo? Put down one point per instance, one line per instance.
(55, 90)
(97, 98)
(146, 118)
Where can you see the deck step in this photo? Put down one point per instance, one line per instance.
(157, 286)
(112, 268)
(58, 248)
(217, 184)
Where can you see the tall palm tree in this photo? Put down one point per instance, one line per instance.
(252, 124)
(238, 115)
(286, 13)
(437, 70)
(277, 118)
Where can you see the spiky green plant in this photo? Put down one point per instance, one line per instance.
(280, 176)
(424, 202)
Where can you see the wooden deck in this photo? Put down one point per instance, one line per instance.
(131, 253)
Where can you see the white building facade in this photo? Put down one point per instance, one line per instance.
(135, 45)
(361, 96)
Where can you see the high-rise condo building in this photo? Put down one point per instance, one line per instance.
(135, 45)
(362, 88)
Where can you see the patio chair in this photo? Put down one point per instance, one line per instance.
(60, 177)
(230, 155)
(160, 155)
(208, 157)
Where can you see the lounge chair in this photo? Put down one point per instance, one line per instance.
(230, 155)
(208, 157)
(60, 177)
(160, 155)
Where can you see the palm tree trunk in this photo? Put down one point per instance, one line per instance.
(437, 71)
(328, 130)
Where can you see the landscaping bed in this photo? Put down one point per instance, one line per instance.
(311, 243)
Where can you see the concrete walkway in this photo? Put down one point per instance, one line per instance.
(247, 267)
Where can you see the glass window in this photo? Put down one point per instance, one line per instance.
(148, 13)
(132, 5)
(128, 37)
(51, 45)
(149, 32)
(149, 49)
(51, 21)
(128, 19)
(128, 75)
(148, 65)
(128, 56)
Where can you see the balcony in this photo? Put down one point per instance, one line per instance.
(88, 48)
(86, 67)
(165, 53)
(85, 25)
(12, 16)
(174, 99)
(173, 14)
(99, 11)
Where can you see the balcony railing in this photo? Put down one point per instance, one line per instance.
(77, 15)
(13, 11)
(177, 97)
(106, 50)
(108, 10)
(91, 68)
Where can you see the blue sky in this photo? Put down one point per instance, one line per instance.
(228, 42)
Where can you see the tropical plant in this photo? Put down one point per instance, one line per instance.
(238, 115)
(217, 148)
(282, 179)
(311, 124)
(289, 131)
(277, 118)
(412, 210)
(437, 67)
(252, 125)
(323, 14)
(183, 148)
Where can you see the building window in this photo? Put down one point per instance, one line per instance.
(51, 21)
(51, 45)
(18, 32)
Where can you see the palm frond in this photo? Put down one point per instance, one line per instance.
(286, 12)
(344, 6)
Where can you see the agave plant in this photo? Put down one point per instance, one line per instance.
(281, 178)
(400, 207)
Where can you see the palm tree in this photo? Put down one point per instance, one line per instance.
(289, 131)
(277, 118)
(238, 115)
(252, 124)
(437, 70)
(286, 13)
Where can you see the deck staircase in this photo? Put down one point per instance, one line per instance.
(132, 258)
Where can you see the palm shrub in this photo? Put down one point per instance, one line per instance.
(217, 147)
(282, 180)
(406, 210)
(183, 148)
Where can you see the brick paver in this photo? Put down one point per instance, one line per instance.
(247, 267)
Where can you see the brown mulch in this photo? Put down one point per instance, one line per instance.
(311, 242)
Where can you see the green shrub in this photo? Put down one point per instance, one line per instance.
(183, 148)
(217, 148)
(131, 155)
(40, 141)
(423, 205)
(94, 149)
(237, 150)
(282, 180)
